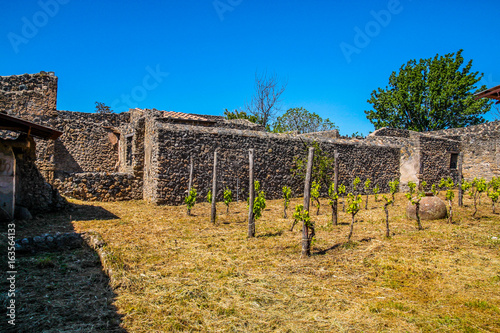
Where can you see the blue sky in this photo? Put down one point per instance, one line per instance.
(202, 56)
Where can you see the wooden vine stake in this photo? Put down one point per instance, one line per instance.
(191, 167)
(214, 191)
(251, 195)
(306, 236)
(460, 192)
(336, 187)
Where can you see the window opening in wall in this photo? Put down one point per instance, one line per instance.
(129, 149)
(453, 160)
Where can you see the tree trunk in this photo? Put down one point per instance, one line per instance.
(190, 184)
(351, 229)
(214, 191)
(393, 199)
(335, 187)
(460, 192)
(417, 213)
(475, 206)
(306, 242)
(317, 211)
(387, 231)
(334, 213)
(450, 218)
(366, 203)
(251, 190)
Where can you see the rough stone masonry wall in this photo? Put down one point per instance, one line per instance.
(88, 143)
(28, 94)
(32, 190)
(481, 149)
(423, 157)
(167, 173)
(100, 186)
(436, 157)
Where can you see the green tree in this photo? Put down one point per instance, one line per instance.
(230, 115)
(430, 94)
(301, 121)
(102, 108)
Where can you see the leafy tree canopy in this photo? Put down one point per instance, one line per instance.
(302, 121)
(230, 115)
(429, 94)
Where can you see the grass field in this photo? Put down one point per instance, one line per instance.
(172, 272)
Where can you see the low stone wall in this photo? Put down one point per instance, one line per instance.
(480, 145)
(48, 242)
(100, 186)
(167, 167)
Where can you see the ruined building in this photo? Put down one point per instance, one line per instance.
(145, 154)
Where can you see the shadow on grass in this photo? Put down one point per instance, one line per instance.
(342, 245)
(270, 234)
(61, 290)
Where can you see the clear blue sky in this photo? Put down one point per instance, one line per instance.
(105, 50)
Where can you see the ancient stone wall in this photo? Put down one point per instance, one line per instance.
(168, 172)
(436, 155)
(481, 149)
(32, 191)
(424, 157)
(100, 186)
(89, 142)
(28, 94)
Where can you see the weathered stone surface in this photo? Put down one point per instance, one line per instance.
(431, 208)
(480, 145)
(22, 213)
(47, 242)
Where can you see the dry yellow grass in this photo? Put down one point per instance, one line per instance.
(172, 272)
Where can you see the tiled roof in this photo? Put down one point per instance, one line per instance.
(183, 116)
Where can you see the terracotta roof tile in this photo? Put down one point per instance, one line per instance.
(181, 115)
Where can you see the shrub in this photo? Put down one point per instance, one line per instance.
(190, 200)
(228, 198)
(287, 193)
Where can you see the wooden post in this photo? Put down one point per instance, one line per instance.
(190, 184)
(251, 194)
(306, 244)
(191, 167)
(214, 190)
(335, 187)
(460, 192)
